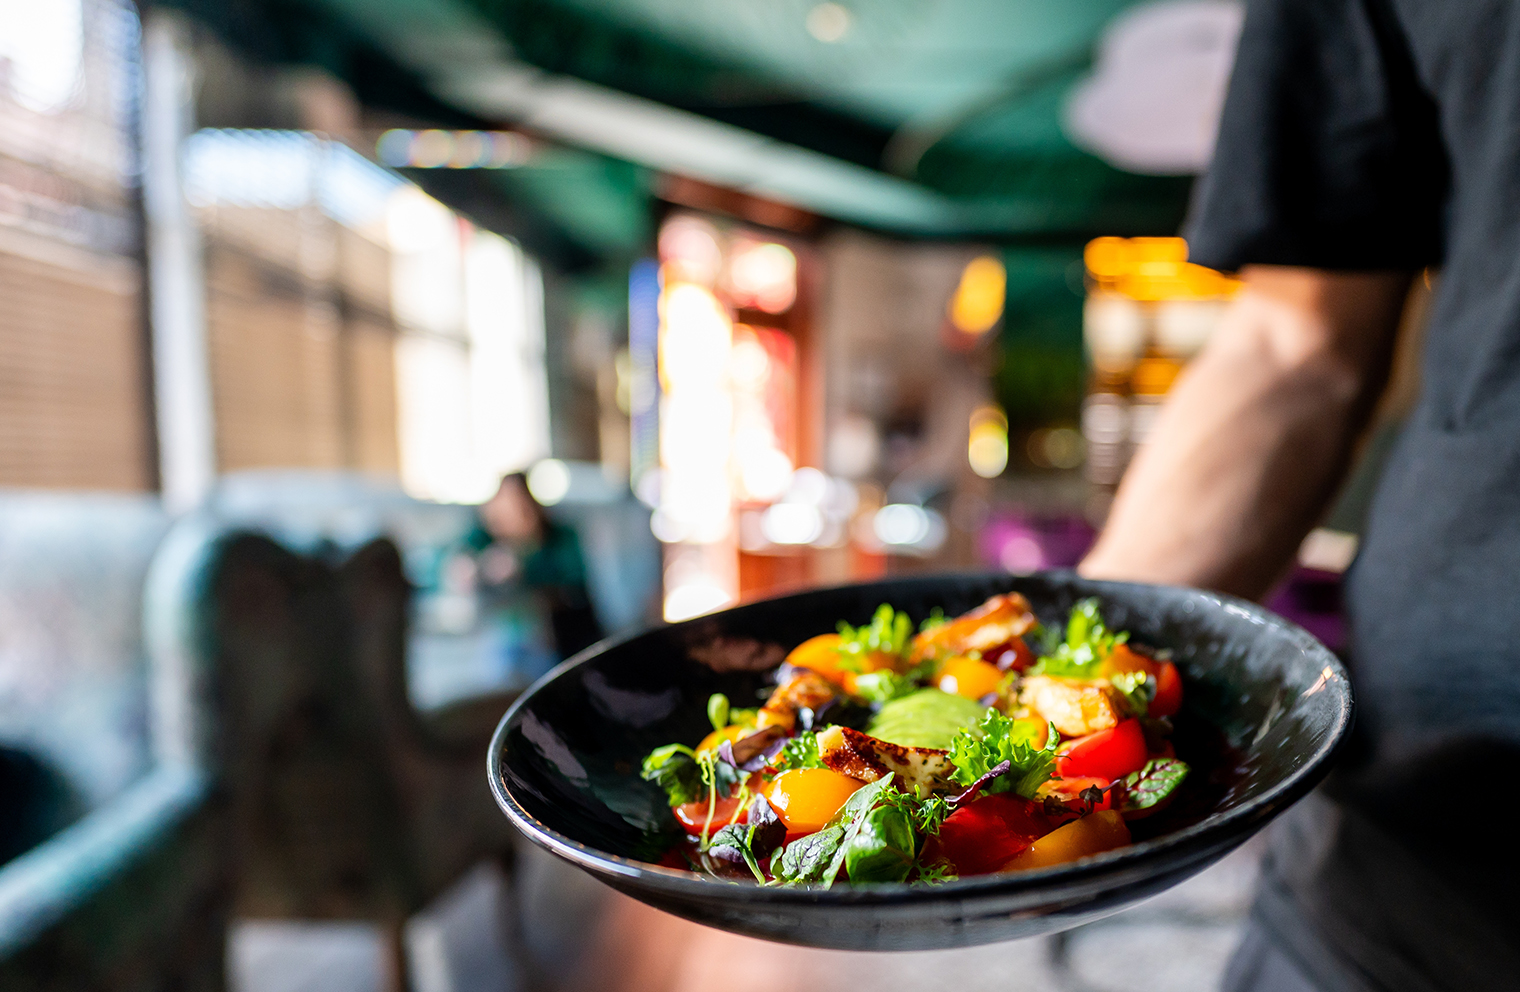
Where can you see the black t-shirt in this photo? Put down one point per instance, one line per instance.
(1385, 134)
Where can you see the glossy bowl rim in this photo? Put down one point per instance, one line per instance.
(1216, 830)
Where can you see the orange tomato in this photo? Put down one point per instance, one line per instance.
(717, 737)
(821, 655)
(969, 677)
(807, 798)
(1093, 834)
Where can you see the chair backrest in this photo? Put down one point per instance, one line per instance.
(73, 684)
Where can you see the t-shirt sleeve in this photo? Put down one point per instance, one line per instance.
(1329, 152)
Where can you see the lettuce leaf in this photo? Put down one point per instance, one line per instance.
(888, 632)
(1088, 643)
(997, 738)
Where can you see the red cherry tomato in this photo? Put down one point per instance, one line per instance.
(1110, 754)
(693, 816)
(1168, 691)
(986, 832)
(1069, 791)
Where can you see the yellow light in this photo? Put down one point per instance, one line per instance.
(1153, 269)
(978, 301)
(987, 450)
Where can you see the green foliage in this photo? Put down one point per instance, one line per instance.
(717, 710)
(1138, 688)
(738, 838)
(883, 848)
(1154, 783)
(1088, 643)
(888, 632)
(936, 873)
(926, 814)
(799, 752)
(997, 739)
(675, 769)
(805, 859)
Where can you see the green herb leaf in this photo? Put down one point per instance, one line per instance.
(717, 774)
(1138, 689)
(888, 631)
(883, 848)
(1088, 643)
(1154, 783)
(997, 739)
(851, 817)
(940, 872)
(674, 768)
(799, 752)
(926, 814)
(735, 841)
(933, 621)
(717, 710)
(806, 859)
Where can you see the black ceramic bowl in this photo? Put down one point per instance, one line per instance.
(1266, 705)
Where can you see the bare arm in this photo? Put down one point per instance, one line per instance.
(1257, 434)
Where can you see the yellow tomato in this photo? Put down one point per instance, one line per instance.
(821, 655)
(730, 733)
(969, 677)
(807, 798)
(1081, 838)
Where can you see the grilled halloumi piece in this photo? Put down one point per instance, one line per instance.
(1077, 708)
(920, 769)
(994, 623)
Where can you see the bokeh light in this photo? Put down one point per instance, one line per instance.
(977, 304)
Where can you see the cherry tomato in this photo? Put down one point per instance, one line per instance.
(807, 798)
(962, 676)
(1168, 691)
(693, 816)
(1110, 754)
(717, 737)
(1102, 831)
(821, 656)
(1069, 791)
(986, 833)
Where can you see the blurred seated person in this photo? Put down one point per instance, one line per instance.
(532, 581)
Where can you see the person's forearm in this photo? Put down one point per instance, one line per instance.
(1256, 435)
